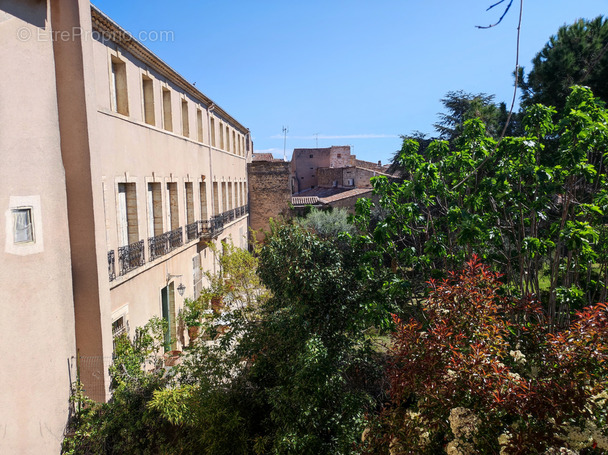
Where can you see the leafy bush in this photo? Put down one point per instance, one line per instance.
(328, 223)
(481, 373)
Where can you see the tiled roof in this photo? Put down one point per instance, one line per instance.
(346, 194)
(304, 200)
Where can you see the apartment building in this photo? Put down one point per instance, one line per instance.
(117, 174)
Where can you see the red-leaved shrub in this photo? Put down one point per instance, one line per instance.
(480, 372)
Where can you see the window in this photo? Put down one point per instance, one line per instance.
(185, 122)
(189, 203)
(310, 156)
(172, 206)
(212, 132)
(155, 209)
(221, 136)
(119, 327)
(203, 196)
(128, 229)
(216, 199)
(197, 276)
(230, 196)
(199, 125)
(227, 138)
(167, 120)
(234, 149)
(23, 226)
(23, 229)
(224, 197)
(120, 102)
(148, 92)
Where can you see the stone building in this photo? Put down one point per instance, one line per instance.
(116, 175)
(305, 162)
(331, 177)
(269, 191)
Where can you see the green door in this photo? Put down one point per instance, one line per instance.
(164, 293)
(168, 308)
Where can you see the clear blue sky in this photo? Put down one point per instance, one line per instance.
(355, 72)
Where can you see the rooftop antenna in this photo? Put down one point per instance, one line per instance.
(317, 139)
(285, 131)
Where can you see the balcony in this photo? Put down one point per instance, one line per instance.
(192, 231)
(163, 244)
(158, 246)
(176, 238)
(130, 257)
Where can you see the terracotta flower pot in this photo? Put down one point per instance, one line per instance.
(193, 332)
(172, 358)
(217, 303)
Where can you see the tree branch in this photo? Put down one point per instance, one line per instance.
(504, 130)
(501, 17)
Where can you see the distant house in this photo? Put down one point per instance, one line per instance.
(331, 177)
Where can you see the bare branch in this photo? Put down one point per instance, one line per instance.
(501, 17)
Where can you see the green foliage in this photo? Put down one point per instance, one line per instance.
(125, 425)
(293, 371)
(576, 55)
(461, 106)
(528, 214)
(480, 373)
(328, 223)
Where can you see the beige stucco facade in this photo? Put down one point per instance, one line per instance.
(35, 274)
(116, 175)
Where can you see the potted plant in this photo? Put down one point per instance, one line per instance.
(192, 316)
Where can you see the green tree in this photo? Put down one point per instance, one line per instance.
(576, 55)
(540, 223)
(294, 374)
(461, 106)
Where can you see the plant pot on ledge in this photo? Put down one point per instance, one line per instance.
(172, 358)
(193, 332)
(217, 303)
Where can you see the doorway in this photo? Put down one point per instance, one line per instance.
(167, 295)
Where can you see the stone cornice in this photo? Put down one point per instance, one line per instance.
(110, 30)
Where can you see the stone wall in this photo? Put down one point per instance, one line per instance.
(378, 167)
(305, 162)
(360, 177)
(339, 156)
(269, 192)
(328, 175)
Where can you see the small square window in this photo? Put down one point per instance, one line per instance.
(23, 229)
(310, 156)
(339, 155)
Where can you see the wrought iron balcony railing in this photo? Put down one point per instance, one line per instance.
(130, 257)
(192, 231)
(111, 265)
(158, 246)
(176, 238)
(214, 226)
